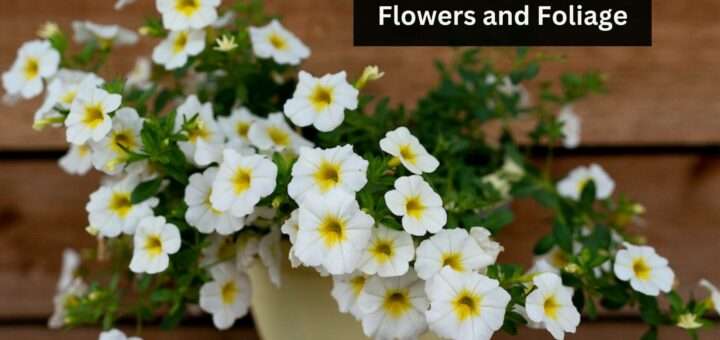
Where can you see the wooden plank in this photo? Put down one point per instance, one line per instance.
(659, 95)
(42, 212)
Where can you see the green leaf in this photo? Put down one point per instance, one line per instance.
(145, 190)
(651, 334)
(562, 235)
(544, 245)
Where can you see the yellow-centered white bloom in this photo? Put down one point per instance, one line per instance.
(346, 291)
(225, 43)
(714, 294)
(483, 238)
(64, 299)
(237, 125)
(227, 296)
(200, 213)
(241, 182)
(393, 308)
(111, 211)
(89, 117)
(139, 76)
(465, 305)
(111, 153)
(116, 334)
(105, 35)
(647, 272)
(274, 41)
(61, 93)
(154, 241)
(405, 147)
(271, 255)
(321, 171)
(173, 52)
(333, 232)
(184, 14)
(573, 185)
(274, 134)
(321, 102)
(220, 249)
(205, 140)
(453, 248)
(571, 127)
(388, 253)
(78, 160)
(420, 207)
(35, 60)
(551, 304)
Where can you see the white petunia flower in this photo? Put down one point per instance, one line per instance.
(388, 253)
(573, 185)
(714, 294)
(116, 334)
(290, 227)
(420, 207)
(551, 304)
(89, 117)
(346, 291)
(35, 60)
(221, 249)
(241, 182)
(393, 308)
(139, 76)
(406, 148)
(333, 232)
(465, 305)
(453, 248)
(173, 52)
(105, 35)
(320, 171)
(154, 241)
(483, 238)
(200, 213)
(68, 269)
(78, 160)
(205, 140)
(184, 14)
(111, 153)
(571, 127)
(227, 296)
(274, 134)
(111, 211)
(237, 125)
(274, 41)
(61, 93)
(271, 255)
(321, 102)
(65, 298)
(647, 272)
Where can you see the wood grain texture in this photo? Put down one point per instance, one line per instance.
(660, 95)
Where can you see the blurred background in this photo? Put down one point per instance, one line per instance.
(657, 132)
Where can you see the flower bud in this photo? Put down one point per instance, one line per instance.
(370, 73)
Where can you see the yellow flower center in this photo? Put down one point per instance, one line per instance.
(327, 176)
(187, 7)
(198, 131)
(242, 180)
(414, 207)
(242, 129)
(153, 245)
(558, 258)
(466, 305)
(83, 150)
(122, 140)
(93, 115)
(357, 284)
(321, 97)
(382, 250)
(278, 136)
(70, 301)
(120, 203)
(551, 307)
(641, 269)
(68, 97)
(180, 42)
(277, 41)
(453, 260)
(31, 69)
(397, 302)
(407, 153)
(332, 231)
(229, 291)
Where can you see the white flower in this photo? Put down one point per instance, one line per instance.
(154, 241)
(61, 93)
(346, 291)
(320, 171)
(241, 182)
(89, 117)
(571, 127)
(48, 30)
(551, 304)
(200, 213)
(115, 334)
(248, 246)
(78, 160)
(65, 298)
(483, 238)
(139, 76)
(111, 153)
(221, 249)
(401, 144)
(227, 296)
(714, 294)
(333, 233)
(69, 267)
(274, 41)
(173, 52)
(453, 248)
(551, 262)
(237, 125)
(271, 254)
(224, 20)
(388, 253)
(321, 102)
(105, 35)
(290, 227)
(393, 308)
(465, 305)
(508, 88)
(183, 14)
(35, 60)
(647, 272)
(120, 4)
(274, 134)
(205, 140)
(420, 207)
(573, 185)
(111, 211)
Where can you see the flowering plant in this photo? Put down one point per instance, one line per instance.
(221, 148)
